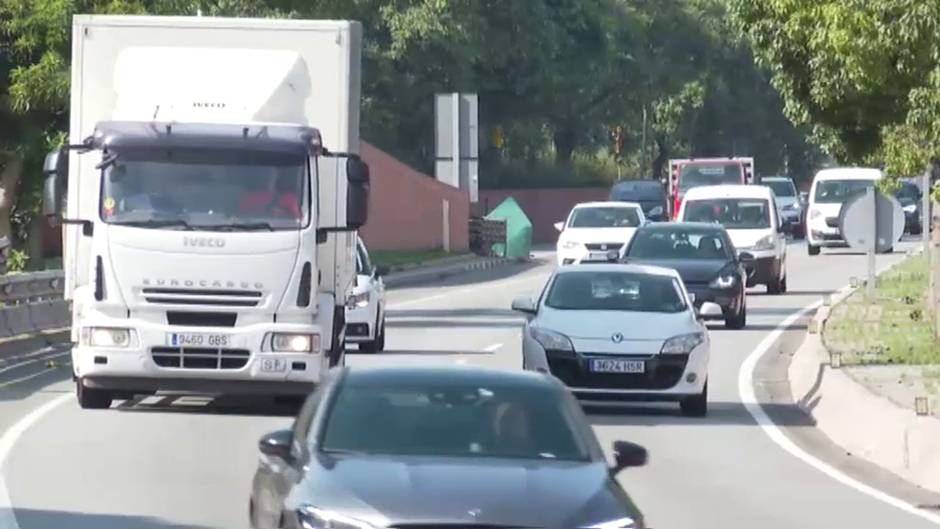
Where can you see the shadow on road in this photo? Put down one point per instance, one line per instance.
(719, 413)
(44, 519)
(207, 405)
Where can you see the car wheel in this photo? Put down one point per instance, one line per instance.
(778, 286)
(812, 250)
(739, 319)
(377, 343)
(92, 398)
(696, 406)
(380, 342)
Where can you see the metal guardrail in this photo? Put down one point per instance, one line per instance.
(32, 302)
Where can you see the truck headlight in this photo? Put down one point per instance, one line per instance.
(106, 337)
(295, 343)
(765, 243)
(683, 344)
(552, 340)
(358, 300)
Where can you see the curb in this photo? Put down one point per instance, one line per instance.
(427, 274)
(863, 423)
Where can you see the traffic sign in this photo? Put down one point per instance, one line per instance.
(863, 221)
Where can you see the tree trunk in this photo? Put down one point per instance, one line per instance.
(564, 139)
(662, 156)
(9, 183)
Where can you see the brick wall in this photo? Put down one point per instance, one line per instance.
(544, 207)
(406, 207)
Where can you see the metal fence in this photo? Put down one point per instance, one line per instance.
(484, 233)
(32, 302)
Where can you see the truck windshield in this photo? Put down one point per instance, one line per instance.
(710, 174)
(202, 190)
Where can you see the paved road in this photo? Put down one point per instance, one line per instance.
(161, 464)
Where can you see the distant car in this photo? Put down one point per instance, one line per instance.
(649, 194)
(365, 305)
(792, 212)
(704, 257)
(909, 195)
(751, 217)
(594, 229)
(831, 189)
(438, 447)
(620, 332)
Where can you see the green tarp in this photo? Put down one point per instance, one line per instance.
(518, 230)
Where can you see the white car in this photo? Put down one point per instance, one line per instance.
(365, 305)
(831, 189)
(594, 230)
(751, 216)
(614, 332)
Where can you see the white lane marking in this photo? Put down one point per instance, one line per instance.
(30, 376)
(749, 399)
(464, 290)
(493, 348)
(42, 358)
(9, 439)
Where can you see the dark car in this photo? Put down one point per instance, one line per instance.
(422, 447)
(705, 258)
(909, 195)
(649, 194)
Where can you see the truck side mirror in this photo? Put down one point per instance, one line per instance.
(357, 195)
(55, 170)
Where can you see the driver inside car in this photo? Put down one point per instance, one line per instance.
(277, 198)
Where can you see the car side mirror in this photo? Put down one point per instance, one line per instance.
(357, 193)
(277, 444)
(804, 196)
(55, 170)
(627, 455)
(380, 271)
(709, 310)
(559, 226)
(525, 305)
(746, 258)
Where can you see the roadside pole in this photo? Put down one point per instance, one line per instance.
(872, 243)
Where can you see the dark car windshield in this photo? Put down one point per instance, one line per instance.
(678, 244)
(619, 291)
(908, 192)
(732, 213)
(840, 191)
(710, 174)
(206, 190)
(604, 217)
(635, 191)
(782, 188)
(452, 419)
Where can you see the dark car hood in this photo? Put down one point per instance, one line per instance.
(400, 491)
(691, 270)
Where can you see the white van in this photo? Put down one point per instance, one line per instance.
(751, 216)
(832, 188)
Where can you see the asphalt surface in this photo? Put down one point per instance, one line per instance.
(159, 463)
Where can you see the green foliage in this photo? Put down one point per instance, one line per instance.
(17, 261)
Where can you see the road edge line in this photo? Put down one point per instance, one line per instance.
(748, 397)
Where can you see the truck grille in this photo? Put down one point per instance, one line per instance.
(200, 358)
(218, 298)
(603, 246)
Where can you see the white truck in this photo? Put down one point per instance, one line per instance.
(686, 173)
(211, 193)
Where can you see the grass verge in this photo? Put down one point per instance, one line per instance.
(894, 327)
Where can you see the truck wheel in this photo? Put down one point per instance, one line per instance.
(92, 398)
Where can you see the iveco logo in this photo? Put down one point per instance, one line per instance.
(204, 242)
(616, 338)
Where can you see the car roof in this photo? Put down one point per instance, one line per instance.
(849, 173)
(634, 184)
(434, 375)
(608, 203)
(682, 226)
(776, 178)
(628, 268)
(729, 191)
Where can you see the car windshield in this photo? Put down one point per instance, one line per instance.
(452, 419)
(839, 191)
(782, 188)
(617, 291)
(709, 174)
(604, 217)
(908, 192)
(206, 190)
(678, 244)
(637, 192)
(732, 213)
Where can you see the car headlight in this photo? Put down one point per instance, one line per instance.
(683, 344)
(570, 245)
(765, 243)
(106, 337)
(295, 343)
(725, 279)
(358, 300)
(313, 518)
(552, 340)
(910, 208)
